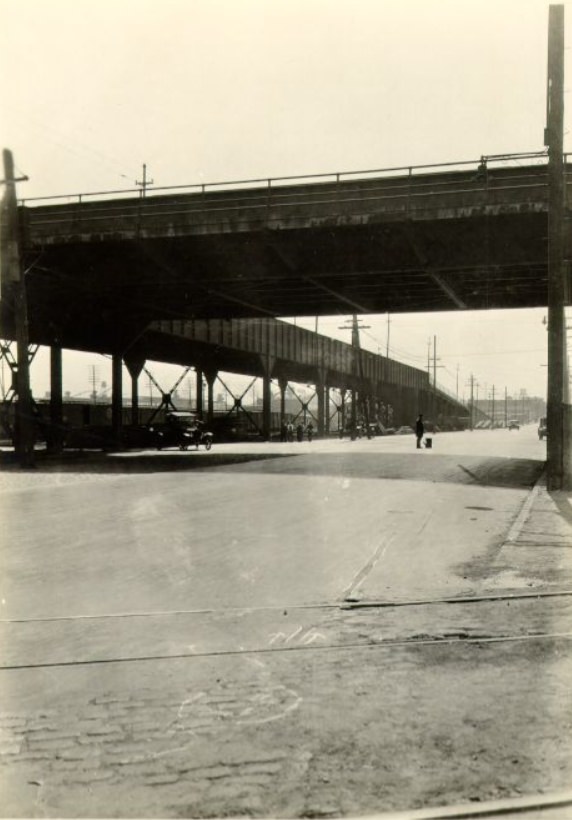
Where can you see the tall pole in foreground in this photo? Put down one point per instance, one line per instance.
(11, 271)
(554, 139)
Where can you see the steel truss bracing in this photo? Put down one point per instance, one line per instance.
(304, 410)
(238, 406)
(166, 398)
(10, 393)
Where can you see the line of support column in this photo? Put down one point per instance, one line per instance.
(134, 366)
(283, 385)
(199, 386)
(117, 397)
(267, 368)
(321, 391)
(55, 443)
(210, 376)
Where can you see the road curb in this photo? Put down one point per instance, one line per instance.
(507, 807)
(519, 522)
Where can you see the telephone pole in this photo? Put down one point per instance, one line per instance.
(558, 462)
(505, 407)
(12, 274)
(144, 184)
(472, 417)
(355, 328)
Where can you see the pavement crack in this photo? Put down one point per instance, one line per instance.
(470, 474)
(365, 570)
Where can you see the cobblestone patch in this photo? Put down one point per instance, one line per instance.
(145, 740)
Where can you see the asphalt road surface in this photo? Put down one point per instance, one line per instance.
(268, 630)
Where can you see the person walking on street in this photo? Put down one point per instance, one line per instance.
(419, 430)
(310, 431)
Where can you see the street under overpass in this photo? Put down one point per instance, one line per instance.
(102, 270)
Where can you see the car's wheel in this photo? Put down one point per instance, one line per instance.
(208, 444)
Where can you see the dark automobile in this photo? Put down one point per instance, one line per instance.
(182, 430)
(513, 425)
(542, 428)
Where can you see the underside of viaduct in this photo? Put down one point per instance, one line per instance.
(276, 352)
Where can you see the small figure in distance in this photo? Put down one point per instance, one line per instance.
(419, 430)
(310, 431)
(300, 432)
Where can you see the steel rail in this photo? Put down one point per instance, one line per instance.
(343, 605)
(458, 640)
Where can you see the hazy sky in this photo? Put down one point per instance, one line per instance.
(210, 90)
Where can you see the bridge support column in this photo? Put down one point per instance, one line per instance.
(327, 404)
(199, 385)
(266, 407)
(117, 397)
(210, 376)
(343, 394)
(321, 391)
(134, 365)
(283, 385)
(267, 366)
(353, 413)
(55, 443)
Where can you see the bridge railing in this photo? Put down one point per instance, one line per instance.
(403, 171)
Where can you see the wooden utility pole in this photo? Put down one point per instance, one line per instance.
(357, 368)
(505, 407)
(558, 471)
(144, 184)
(13, 276)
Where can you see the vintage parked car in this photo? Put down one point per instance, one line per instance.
(513, 425)
(182, 430)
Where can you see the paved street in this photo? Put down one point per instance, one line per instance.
(285, 629)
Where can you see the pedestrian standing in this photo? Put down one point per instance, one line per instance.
(310, 431)
(419, 430)
(300, 432)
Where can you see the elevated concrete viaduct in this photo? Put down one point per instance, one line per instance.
(98, 271)
(273, 351)
(106, 272)
(279, 351)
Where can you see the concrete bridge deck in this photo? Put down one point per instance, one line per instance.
(419, 241)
